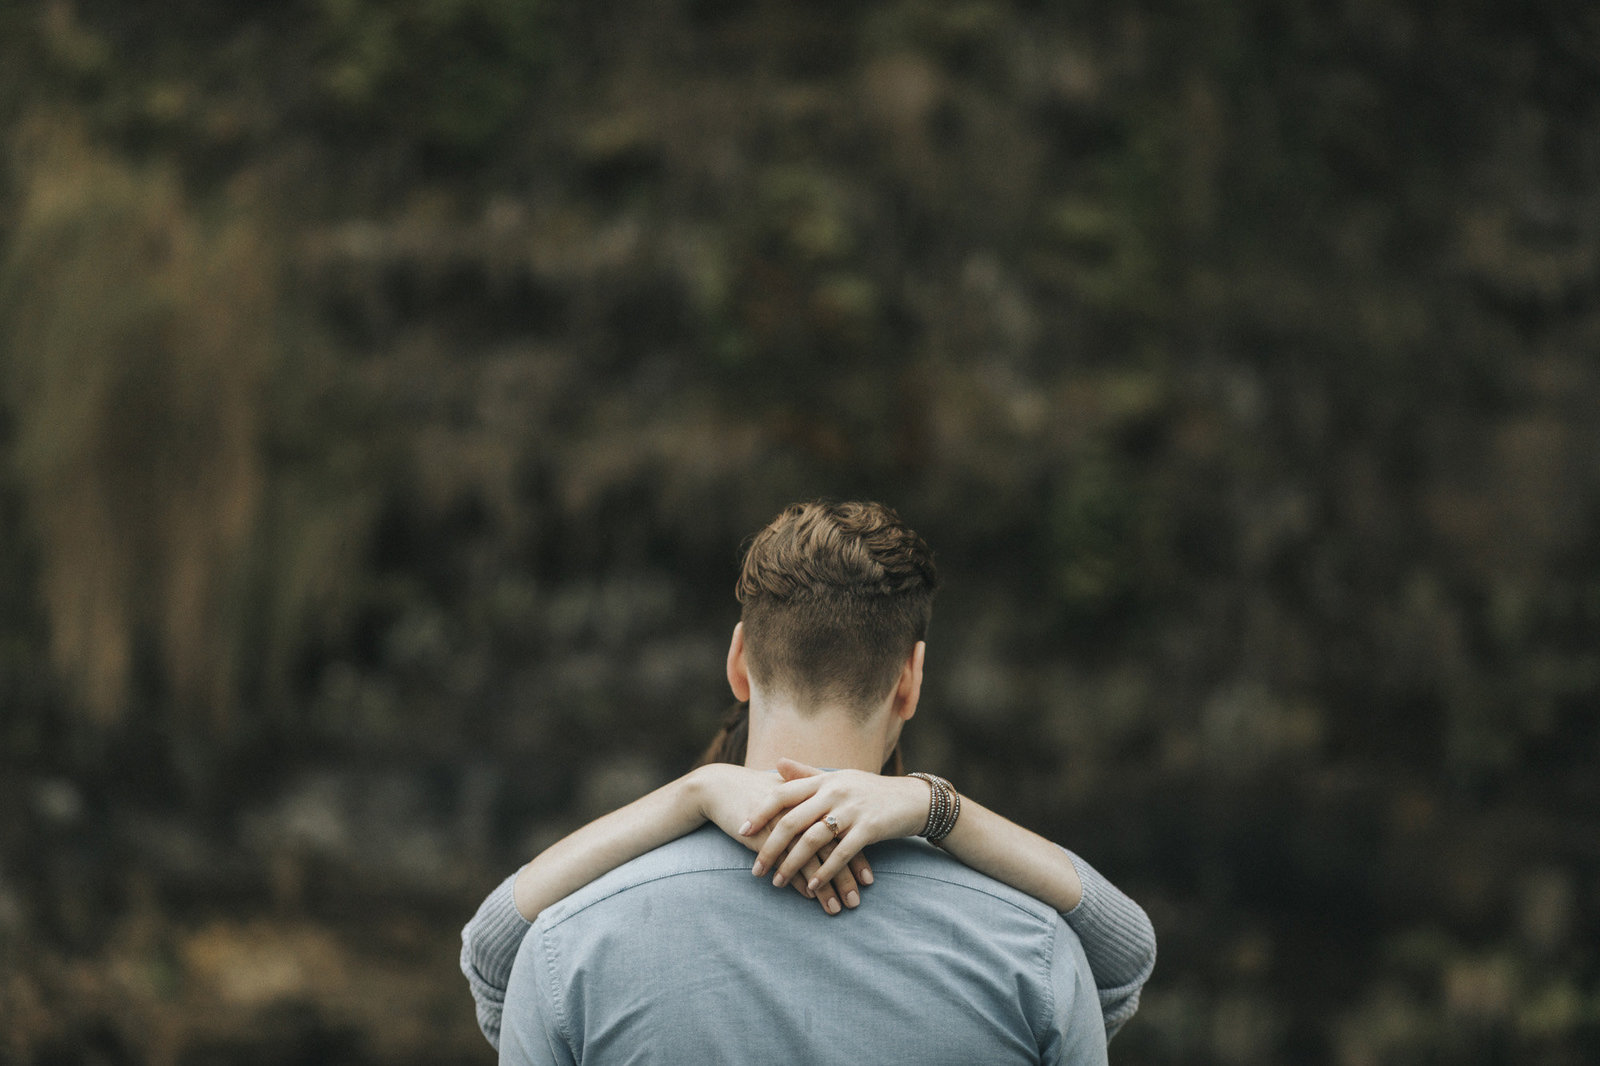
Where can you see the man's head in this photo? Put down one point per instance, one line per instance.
(836, 597)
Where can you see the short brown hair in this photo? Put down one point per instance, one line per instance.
(835, 596)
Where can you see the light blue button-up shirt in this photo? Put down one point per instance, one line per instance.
(682, 957)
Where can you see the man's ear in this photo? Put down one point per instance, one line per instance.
(738, 672)
(908, 690)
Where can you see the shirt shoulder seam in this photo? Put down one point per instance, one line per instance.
(573, 912)
(1045, 916)
(558, 1001)
(1048, 979)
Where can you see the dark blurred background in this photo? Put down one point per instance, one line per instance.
(386, 387)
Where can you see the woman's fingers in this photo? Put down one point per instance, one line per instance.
(800, 782)
(831, 895)
(804, 847)
(835, 895)
(836, 864)
(786, 795)
(783, 834)
(844, 884)
(827, 895)
(794, 769)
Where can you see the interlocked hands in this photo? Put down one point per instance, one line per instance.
(788, 825)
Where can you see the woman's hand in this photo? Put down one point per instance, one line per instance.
(866, 808)
(725, 793)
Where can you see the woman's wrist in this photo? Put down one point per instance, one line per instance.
(913, 814)
(692, 792)
(715, 792)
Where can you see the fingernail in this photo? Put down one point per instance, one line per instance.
(777, 880)
(744, 830)
(758, 869)
(852, 898)
(866, 877)
(833, 906)
(811, 885)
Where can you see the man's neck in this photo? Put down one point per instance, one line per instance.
(823, 736)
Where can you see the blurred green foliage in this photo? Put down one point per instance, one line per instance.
(455, 73)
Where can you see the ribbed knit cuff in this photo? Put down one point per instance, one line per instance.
(489, 944)
(1118, 928)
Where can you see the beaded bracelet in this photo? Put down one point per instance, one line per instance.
(944, 807)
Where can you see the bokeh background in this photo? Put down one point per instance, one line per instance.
(386, 387)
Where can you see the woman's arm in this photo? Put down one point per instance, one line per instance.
(606, 843)
(490, 941)
(868, 808)
(720, 792)
(1117, 937)
(1116, 934)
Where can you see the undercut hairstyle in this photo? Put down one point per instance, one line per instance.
(835, 596)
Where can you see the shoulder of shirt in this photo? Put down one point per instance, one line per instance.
(708, 850)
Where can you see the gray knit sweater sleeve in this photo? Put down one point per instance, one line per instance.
(1118, 940)
(489, 946)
